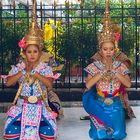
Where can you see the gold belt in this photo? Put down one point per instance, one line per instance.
(108, 100)
(31, 99)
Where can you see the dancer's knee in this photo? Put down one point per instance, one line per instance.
(13, 131)
(46, 132)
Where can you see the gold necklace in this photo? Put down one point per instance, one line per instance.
(29, 79)
(108, 75)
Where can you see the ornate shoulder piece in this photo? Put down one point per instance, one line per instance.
(92, 68)
(99, 65)
(121, 68)
(116, 64)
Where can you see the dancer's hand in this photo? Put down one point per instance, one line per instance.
(103, 72)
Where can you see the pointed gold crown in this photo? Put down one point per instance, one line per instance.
(107, 34)
(35, 34)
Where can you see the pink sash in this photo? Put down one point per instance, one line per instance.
(30, 121)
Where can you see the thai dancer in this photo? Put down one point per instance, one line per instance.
(102, 99)
(30, 116)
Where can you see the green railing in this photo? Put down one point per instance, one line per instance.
(75, 35)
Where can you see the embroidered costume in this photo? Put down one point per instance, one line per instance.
(27, 120)
(54, 101)
(103, 101)
(121, 57)
(30, 117)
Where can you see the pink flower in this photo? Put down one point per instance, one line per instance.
(118, 36)
(22, 43)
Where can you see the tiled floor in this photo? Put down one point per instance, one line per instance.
(72, 128)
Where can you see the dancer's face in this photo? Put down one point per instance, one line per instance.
(107, 50)
(32, 53)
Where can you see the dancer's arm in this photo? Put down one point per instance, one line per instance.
(92, 80)
(11, 80)
(46, 81)
(124, 79)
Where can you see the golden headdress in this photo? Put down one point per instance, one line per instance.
(35, 35)
(107, 34)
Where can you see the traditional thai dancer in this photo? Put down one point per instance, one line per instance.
(103, 99)
(30, 117)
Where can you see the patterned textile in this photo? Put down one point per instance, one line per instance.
(103, 85)
(13, 113)
(120, 57)
(31, 116)
(55, 103)
(42, 68)
(106, 121)
(129, 114)
(24, 120)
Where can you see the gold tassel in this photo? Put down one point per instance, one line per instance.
(44, 97)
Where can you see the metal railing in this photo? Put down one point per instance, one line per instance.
(78, 41)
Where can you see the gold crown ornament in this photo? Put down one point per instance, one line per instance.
(107, 34)
(35, 35)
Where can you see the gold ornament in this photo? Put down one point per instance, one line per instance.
(35, 34)
(44, 96)
(107, 34)
(108, 74)
(108, 101)
(32, 99)
(29, 79)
